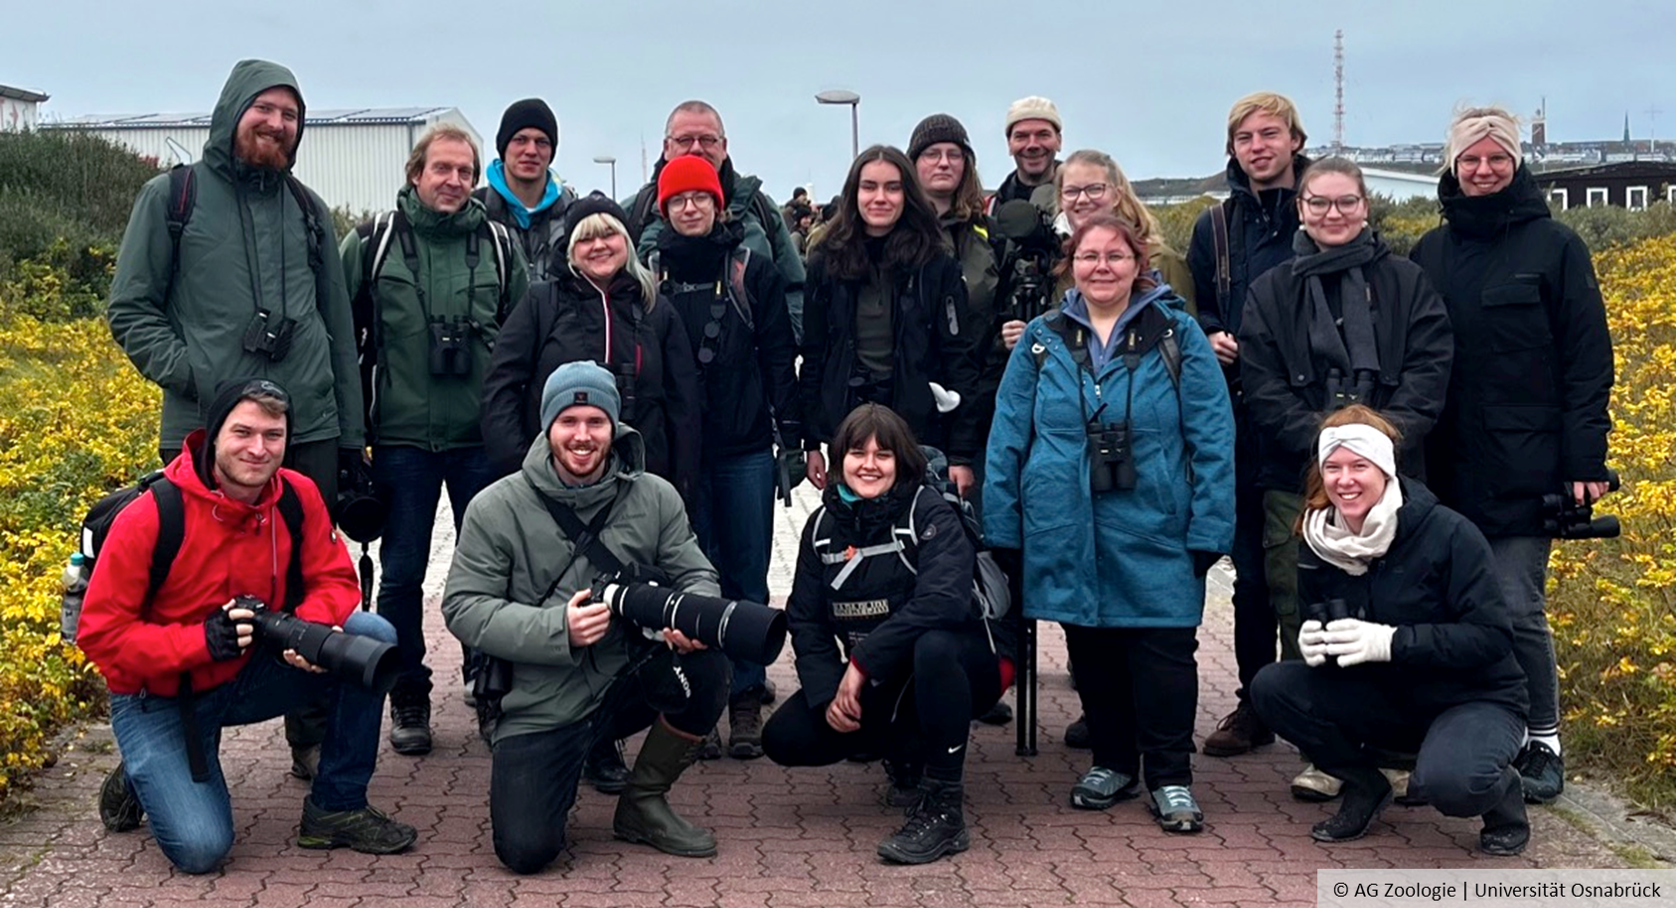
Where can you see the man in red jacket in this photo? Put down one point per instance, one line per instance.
(181, 667)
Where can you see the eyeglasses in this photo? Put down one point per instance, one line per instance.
(1496, 161)
(1094, 191)
(1318, 204)
(951, 155)
(1112, 260)
(707, 140)
(695, 200)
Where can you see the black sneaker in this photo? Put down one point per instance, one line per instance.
(410, 725)
(119, 807)
(1541, 773)
(603, 767)
(935, 827)
(1076, 734)
(367, 830)
(999, 714)
(1366, 793)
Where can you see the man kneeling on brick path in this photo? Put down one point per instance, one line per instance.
(582, 507)
(178, 656)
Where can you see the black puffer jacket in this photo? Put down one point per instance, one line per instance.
(1527, 407)
(1285, 380)
(751, 366)
(1454, 639)
(565, 321)
(881, 607)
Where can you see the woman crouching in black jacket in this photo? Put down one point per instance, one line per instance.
(1408, 645)
(892, 652)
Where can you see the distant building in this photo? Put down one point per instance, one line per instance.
(17, 108)
(355, 159)
(1628, 184)
(1398, 185)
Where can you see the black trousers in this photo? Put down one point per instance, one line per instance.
(926, 718)
(1140, 690)
(532, 778)
(1342, 718)
(1254, 618)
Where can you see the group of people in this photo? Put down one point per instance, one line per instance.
(621, 391)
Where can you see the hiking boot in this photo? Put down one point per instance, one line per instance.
(1100, 788)
(305, 761)
(410, 725)
(1176, 811)
(1076, 734)
(1507, 829)
(1366, 793)
(744, 723)
(711, 747)
(643, 812)
(1314, 785)
(935, 827)
(367, 830)
(1238, 733)
(1541, 772)
(603, 767)
(119, 807)
(999, 714)
(906, 783)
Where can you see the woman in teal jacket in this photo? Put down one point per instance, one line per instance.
(1111, 466)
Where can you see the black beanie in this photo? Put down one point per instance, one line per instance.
(595, 202)
(233, 393)
(938, 128)
(523, 115)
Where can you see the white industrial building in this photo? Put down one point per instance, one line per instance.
(355, 159)
(17, 108)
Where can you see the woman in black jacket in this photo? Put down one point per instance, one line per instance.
(1408, 645)
(739, 330)
(605, 307)
(892, 652)
(885, 319)
(1526, 413)
(1343, 322)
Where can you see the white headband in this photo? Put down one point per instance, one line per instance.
(1363, 439)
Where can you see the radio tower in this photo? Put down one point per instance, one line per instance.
(1338, 92)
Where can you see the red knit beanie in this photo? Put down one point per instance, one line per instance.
(687, 173)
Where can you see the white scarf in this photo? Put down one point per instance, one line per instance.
(1350, 552)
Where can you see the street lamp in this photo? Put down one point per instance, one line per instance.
(840, 96)
(608, 159)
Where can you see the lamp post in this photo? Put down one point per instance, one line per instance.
(608, 159)
(840, 96)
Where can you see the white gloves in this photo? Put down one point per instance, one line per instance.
(1355, 641)
(1312, 642)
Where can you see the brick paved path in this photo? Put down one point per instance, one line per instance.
(803, 838)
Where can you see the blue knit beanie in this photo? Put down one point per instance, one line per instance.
(579, 384)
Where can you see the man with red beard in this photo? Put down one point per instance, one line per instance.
(230, 269)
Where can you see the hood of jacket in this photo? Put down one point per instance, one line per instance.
(428, 222)
(496, 176)
(1489, 215)
(248, 79)
(628, 461)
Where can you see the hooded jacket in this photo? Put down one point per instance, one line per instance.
(1436, 585)
(1527, 407)
(245, 247)
(410, 406)
(541, 232)
(1260, 228)
(511, 552)
(229, 549)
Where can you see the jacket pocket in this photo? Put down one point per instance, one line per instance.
(1524, 449)
(1515, 317)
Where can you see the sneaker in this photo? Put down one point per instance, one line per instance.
(367, 830)
(744, 726)
(1364, 799)
(119, 807)
(603, 767)
(1100, 788)
(1541, 772)
(1176, 811)
(410, 725)
(1076, 734)
(935, 827)
(1238, 732)
(711, 747)
(1314, 785)
(305, 761)
(999, 714)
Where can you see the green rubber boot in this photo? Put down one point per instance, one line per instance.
(643, 813)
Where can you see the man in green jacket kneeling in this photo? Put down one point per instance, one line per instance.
(518, 592)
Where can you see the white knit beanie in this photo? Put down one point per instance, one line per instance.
(1033, 108)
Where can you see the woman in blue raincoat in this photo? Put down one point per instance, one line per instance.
(1111, 467)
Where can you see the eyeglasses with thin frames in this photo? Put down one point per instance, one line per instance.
(1346, 204)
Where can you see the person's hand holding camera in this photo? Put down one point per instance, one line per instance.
(586, 624)
(1355, 641)
(680, 642)
(228, 632)
(1312, 643)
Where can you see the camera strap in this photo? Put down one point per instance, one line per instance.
(585, 538)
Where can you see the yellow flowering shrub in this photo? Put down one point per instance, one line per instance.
(1612, 606)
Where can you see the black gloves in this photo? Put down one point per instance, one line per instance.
(221, 636)
(353, 475)
(1204, 561)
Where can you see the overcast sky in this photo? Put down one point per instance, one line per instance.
(1149, 83)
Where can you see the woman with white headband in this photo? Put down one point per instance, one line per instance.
(1407, 646)
(1527, 403)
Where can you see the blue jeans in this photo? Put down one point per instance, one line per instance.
(733, 515)
(1520, 566)
(193, 821)
(411, 480)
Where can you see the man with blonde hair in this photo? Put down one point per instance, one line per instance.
(431, 281)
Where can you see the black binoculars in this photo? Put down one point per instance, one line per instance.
(1564, 518)
(1111, 460)
(1330, 611)
(1342, 390)
(451, 346)
(269, 336)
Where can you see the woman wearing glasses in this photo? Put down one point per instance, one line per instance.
(1344, 322)
(1111, 486)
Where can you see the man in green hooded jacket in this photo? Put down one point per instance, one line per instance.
(442, 278)
(245, 289)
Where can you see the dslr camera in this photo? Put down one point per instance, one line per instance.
(371, 663)
(748, 631)
(269, 336)
(1564, 518)
(1111, 459)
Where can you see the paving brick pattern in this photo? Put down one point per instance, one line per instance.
(787, 838)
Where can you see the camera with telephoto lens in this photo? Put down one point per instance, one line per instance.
(1111, 462)
(748, 631)
(451, 346)
(1329, 611)
(371, 663)
(269, 336)
(1033, 247)
(1564, 518)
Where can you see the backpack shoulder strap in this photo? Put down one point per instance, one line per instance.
(183, 196)
(766, 213)
(171, 531)
(501, 240)
(404, 238)
(737, 264)
(1219, 238)
(291, 512)
(1170, 349)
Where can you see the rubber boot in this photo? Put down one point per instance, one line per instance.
(643, 812)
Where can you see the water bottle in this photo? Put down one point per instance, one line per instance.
(75, 590)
